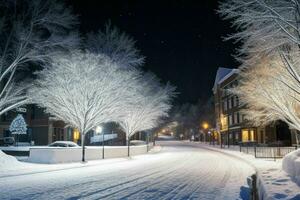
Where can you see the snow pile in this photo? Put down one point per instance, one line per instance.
(291, 165)
(7, 162)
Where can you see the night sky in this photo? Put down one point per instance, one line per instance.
(181, 40)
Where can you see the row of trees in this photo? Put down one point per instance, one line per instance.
(188, 118)
(270, 71)
(84, 81)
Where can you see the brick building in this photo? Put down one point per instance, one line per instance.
(230, 123)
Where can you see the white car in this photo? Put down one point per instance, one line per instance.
(63, 144)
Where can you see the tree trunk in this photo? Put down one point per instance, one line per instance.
(128, 145)
(83, 147)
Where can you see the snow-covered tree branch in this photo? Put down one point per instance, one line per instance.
(271, 24)
(269, 93)
(151, 102)
(270, 33)
(30, 32)
(84, 90)
(120, 47)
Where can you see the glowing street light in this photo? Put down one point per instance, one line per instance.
(205, 125)
(98, 129)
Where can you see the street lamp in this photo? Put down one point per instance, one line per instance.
(205, 126)
(98, 130)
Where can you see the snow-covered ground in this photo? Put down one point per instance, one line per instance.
(178, 171)
(273, 181)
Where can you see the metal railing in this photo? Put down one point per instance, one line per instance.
(267, 152)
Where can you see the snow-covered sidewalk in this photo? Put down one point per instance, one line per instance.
(273, 182)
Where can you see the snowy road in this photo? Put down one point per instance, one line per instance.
(179, 171)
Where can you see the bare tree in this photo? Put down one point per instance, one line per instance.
(84, 90)
(151, 102)
(271, 24)
(30, 32)
(120, 47)
(270, 33)
(269, 93)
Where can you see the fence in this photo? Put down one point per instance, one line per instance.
(267, 152)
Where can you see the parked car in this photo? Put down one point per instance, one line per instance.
(63, 144)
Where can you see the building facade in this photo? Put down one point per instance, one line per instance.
(230, 123)
(42, 129)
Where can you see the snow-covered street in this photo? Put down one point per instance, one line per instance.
(178, 171)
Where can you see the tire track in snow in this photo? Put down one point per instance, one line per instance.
(179, 171)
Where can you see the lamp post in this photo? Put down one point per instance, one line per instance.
(205, 126)
(147, 135)
(98, 131)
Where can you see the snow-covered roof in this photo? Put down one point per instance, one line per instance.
(233, 71)
(223, 74)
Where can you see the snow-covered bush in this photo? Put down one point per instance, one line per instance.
(18, 126)
(7, 162)
(291, 165)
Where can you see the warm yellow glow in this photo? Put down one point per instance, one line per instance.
(76, 135)
(163, 130)
(252, 135)
(205, 125)
(248, 135)
(215, 135)
(98, 129)
(245, 135)
(224, 124)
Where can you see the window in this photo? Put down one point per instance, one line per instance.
(236, 118)
(230, 104)
(248, 135)
(245, 135)
(237, 100)
(230, 120)
(225, 105)
(237, 136)
(252, 135)
(241, 118)
(76, 135)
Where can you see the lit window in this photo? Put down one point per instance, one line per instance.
(252, 135)
(76, 135)
(245, 135)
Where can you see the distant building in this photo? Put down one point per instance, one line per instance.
(230, 123)
(43, 129)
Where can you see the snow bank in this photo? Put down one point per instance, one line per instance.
(7, 162)
(272, 181)
(291, 165)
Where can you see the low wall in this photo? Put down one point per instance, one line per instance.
(51, 155)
